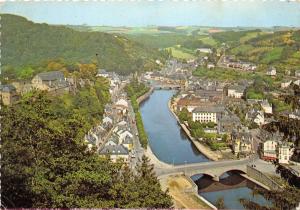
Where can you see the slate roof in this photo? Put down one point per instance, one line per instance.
(51, 76)
(216, 109)
(114, 150)
(7, 88)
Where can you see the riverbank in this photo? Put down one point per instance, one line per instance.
(206, 151)
(184, 193)
(145, 96)
(154, 160)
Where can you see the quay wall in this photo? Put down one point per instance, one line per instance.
(145, 96)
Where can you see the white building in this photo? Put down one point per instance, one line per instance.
(204, 50)
(207, 114)
(102, 73)
(271, 71)
(268, 150)
(256, 116)
(210, 65)
(286, 83)
(266, 106)
(236, 91)
(283, 153)
(115, 152)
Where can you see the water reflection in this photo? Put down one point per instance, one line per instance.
(231, 188)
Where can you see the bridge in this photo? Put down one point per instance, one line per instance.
(166, 87)
(214, 169)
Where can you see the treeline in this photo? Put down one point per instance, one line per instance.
(46, 164)
(135, 90)
(25, 43)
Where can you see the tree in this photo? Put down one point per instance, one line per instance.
(220, 203)
(46, 163)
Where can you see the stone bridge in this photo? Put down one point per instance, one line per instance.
(214, 169)
(166, 87)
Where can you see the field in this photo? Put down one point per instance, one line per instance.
(178, 53)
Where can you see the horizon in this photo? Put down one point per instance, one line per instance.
(226, 14)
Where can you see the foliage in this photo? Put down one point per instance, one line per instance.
(47, 164)
(21, 39)
(223, 74)
(134, 90)
(220, 203)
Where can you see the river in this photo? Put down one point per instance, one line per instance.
(171, 145)
(167, 140)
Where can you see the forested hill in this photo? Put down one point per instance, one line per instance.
(25, 43)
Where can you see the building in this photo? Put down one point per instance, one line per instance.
(50, 81)
(128, 143)
(256, 116)
(242, 142)
(236, 91)
(268, 150)
(285, 83)
(102, 73)
(283, 152)
(210, 65)
(122, 106)
(204, 50)
(266, 106)
(205, 114)
(271, 71)
(8, 94)
(228, 122)
(115, 152)
(297, 73)
(190, 102)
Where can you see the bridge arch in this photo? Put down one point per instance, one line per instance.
(211, 175)
(239, 171)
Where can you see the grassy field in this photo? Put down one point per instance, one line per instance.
(178, 53)
(272, 56)
(209, 40)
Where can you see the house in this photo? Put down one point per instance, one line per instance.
(266, 106)
(107, 120)
(205, 114)
(128, 143)
(210, 65)
(102, 73)
(285, 83)
(283, 152)
(123, 134)
(50, 81)
(204, 50)
(268, 150)
(236, 91)
(115, 152)
(8, 94)
(256, 116)
(268, 146)
(228, 122)
(297, 73)
(271, 71)
(241, 142)
(122, 106)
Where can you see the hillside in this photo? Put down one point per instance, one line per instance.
(25, 43)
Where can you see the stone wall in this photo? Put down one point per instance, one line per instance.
(145, 96)
(264, 179)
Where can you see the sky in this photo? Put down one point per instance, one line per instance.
(230, 13)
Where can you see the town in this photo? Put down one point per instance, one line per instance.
(98, 112)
